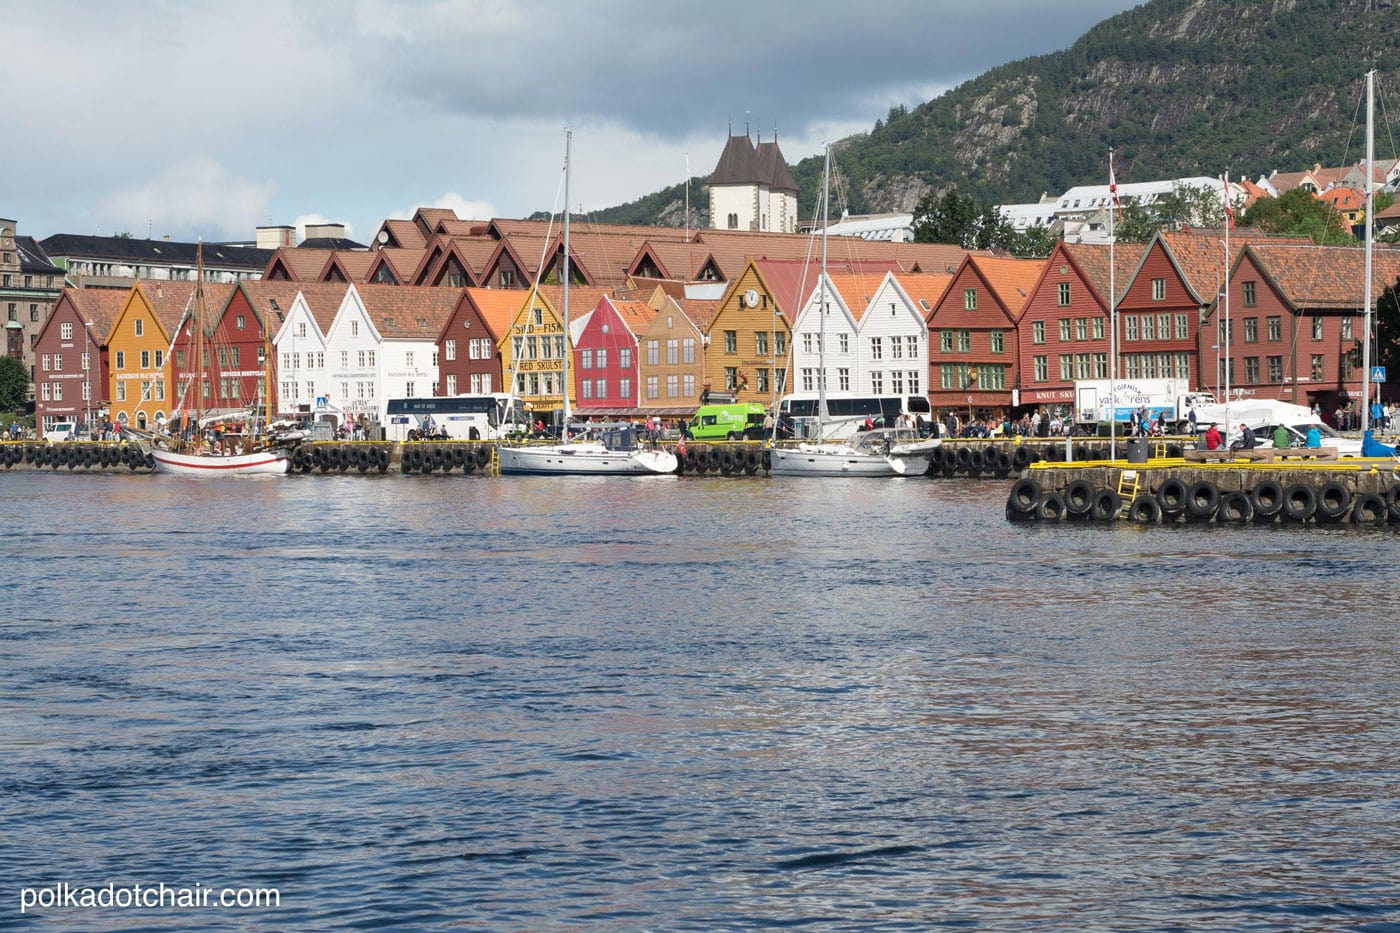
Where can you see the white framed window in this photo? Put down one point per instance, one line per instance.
(65, 330)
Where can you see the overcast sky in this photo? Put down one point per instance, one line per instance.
(186, 118)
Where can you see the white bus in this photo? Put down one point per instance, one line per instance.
(800, 409)
(486, 417)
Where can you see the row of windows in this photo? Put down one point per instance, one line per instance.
(53, 391)
(1274, 325)
(760, 342)
(6, 280)
(478, 348)
(767, 382)
(33, 314)
(1156, 365)
(598, 358)
(538, 348)
(683, 351)
(682, 386)
(480, 383)
(598, 388)
(1155, 327)
(54, 362)
(986, 376)
(898, 381)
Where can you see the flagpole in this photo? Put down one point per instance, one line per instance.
(1112, 321)
(1226, 340)
(1370, 229)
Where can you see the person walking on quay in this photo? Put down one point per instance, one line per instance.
(1191, 417)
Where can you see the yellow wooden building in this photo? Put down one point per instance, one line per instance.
(533, 347)
(748, 337)
(139, 373)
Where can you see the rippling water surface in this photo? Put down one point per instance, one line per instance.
(535, 703)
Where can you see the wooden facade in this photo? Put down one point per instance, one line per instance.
(972, 345)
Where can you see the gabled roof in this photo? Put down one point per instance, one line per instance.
(701, 311)
(1343, 199)
(354, 266)
(1012, 280)
(738, 163)
(924, 289)
(582, 298)
(497, 307)
(408, 313)
(33, 259)
(773, 168)
(1199, 255)
(1092, 260)
(100, 306)
(857, 289)
(269, 300)
(323, 300)
(791, 282)
(296, 264)
(403, 234)
(636, 315)
(1325, 277)
(170, 300)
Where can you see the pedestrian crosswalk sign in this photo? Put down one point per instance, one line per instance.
(1378, 374)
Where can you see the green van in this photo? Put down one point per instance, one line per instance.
(731, 421)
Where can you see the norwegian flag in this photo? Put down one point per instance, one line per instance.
(1113, 186)
(1229, 208)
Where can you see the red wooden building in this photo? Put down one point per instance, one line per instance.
(972, 343)
(71, 367)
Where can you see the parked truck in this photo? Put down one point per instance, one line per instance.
(1169, 398)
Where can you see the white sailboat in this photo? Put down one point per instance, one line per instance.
(617, 451)
(258, 452)
(881, 452)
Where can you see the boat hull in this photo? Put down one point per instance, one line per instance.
(585, 460)
(796, 461)
(259, 463)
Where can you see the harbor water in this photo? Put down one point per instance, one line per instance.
(687, 703)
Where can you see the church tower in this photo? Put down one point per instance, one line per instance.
(752, 188)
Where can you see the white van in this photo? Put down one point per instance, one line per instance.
(61, 431)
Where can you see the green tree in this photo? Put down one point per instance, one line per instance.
(947, 218)
(14, 383)
(1137, 225)
(1032, 243)
(1297, 212)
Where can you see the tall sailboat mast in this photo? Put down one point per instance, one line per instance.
(564, 385)
(821, 299)
(1370, 230)
(199, 337)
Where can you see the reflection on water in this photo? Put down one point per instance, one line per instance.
(530, 703)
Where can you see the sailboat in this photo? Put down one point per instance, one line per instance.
(616, 451)
(879, 452)
(255, 452)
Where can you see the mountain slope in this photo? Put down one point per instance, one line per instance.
(1178, 87)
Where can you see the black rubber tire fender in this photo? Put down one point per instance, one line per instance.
(1079, 498)
(1202, 499)
(1267, 498)
(936, 457)
(483, 457)
(1024, 495)
(1171, 496)
(1145, 509)
(1368, 509)
(1050, 508)
(1299, 502)
(976, 462)
(1333, 501)
(1021, 458)
(1107, 506)
(1235, 508)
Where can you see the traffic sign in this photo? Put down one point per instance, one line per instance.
(1378, 374)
